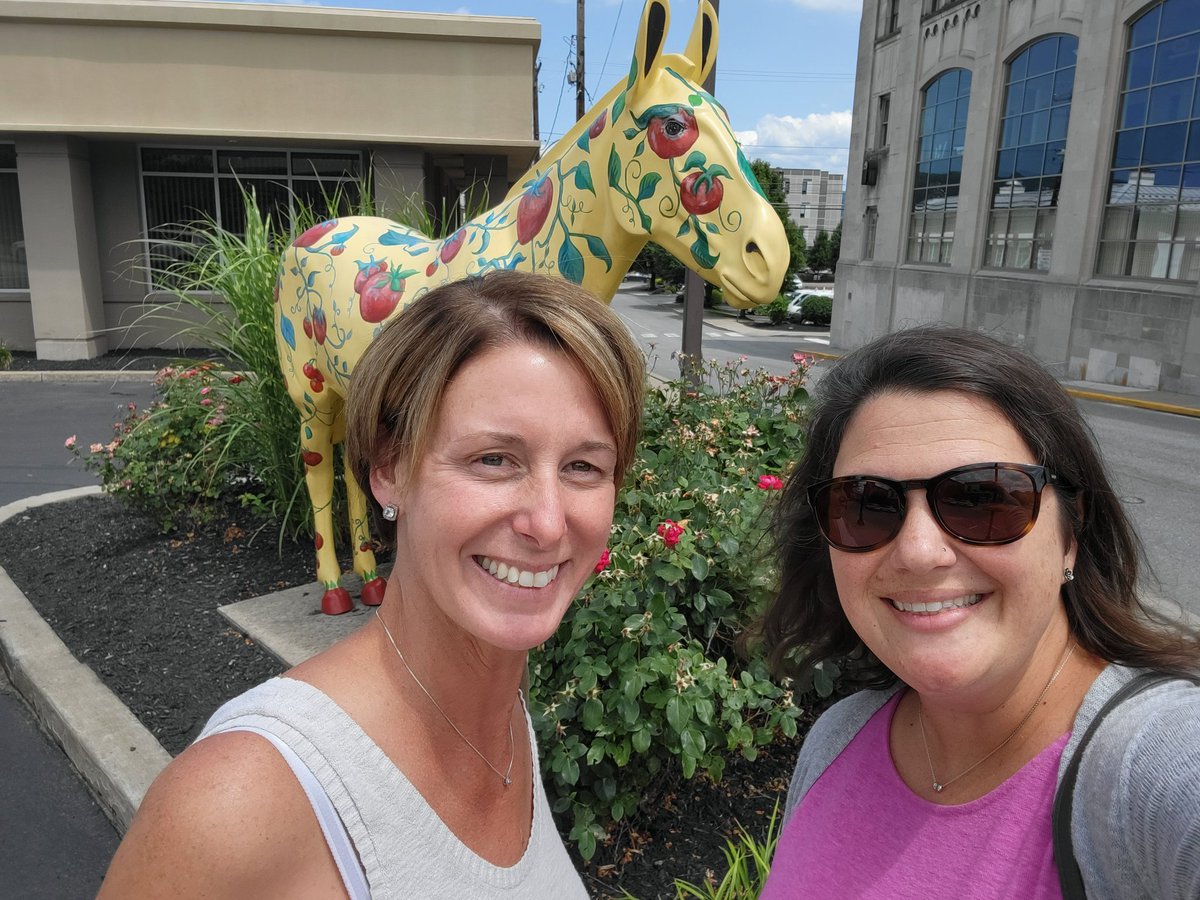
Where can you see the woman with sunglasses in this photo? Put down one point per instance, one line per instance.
(952, 529)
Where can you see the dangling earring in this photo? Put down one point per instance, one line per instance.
(390, 512)
(1068, 576)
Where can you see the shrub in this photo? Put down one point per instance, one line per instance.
(6, 356)
(642, 682)
(817, 309)
(776, 310)
(173, 460)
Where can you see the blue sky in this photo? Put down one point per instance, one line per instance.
(785, 68)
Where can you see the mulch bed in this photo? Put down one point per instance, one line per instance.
(140, 608)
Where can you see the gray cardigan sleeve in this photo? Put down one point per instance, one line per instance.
(1136, 821)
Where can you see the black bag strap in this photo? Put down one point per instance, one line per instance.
(1069, 876)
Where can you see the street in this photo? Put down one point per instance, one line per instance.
(1151, 456)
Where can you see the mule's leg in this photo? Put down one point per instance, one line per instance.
(316, 443)
(360, 535)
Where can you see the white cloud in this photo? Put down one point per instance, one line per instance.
(815, 141)
(839, 6)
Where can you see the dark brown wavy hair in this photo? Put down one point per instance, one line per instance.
(805, 624)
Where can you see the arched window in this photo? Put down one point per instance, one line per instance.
(1152, 222)
(1029, 160)
(939, 166)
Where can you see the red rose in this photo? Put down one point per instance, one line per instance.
(670, 531)
(770, 482)
(604, 560)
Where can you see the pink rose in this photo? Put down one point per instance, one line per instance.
(770, 482)
(69, 443)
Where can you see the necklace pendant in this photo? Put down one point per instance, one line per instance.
(507, 781)
(938, 787)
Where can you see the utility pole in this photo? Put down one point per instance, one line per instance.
(537, 72)
(693, 284)
(580, 92)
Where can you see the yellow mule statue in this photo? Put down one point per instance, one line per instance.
(655, 159)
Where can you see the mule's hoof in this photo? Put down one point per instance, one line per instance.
(336, 601)
(372, 592)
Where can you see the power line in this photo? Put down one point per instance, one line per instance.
(604, 64)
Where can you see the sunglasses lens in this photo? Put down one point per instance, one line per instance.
(987, 505)
(859, 514)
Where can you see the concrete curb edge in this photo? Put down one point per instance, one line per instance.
(117, 756)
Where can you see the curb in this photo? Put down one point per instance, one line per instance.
(1126, 400)
(117, 756)
(74, 375)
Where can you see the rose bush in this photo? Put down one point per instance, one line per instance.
(642, 683)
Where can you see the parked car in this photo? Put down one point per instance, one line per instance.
(812, 307)
(823, 275)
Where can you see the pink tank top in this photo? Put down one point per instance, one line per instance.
(861, 833)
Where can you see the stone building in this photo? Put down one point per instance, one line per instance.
(1030, 168)
(121, 118)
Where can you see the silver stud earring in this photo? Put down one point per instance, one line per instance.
(1068, 576)
(390, 512)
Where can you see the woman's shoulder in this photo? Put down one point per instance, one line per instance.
(226, 817)
(829, 735)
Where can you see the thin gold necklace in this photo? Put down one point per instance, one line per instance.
(939, 786)
(505, 776)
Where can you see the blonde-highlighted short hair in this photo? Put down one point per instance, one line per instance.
(397, 388)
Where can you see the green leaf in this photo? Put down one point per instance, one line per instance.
(570, 262)
(689, 765)
(679, 712)
(712, 229)
(570, 771)
(714, 171)
(729, 545)
(639, 149)
(669, 573)
(596, 751)
(614, 167)
(583, 177)
(693, 742)
(641, 739)
(695, 160)
(587, 845)
(822, 683)
(592, 714)
(701, 253)
(695, 99)
(646, 223)
(684, 228)
(587, 681)
(631, 133)
(584, 141)
(619, 106)
(632, 73)
(648, 185)
(699, 567)
(597, 249)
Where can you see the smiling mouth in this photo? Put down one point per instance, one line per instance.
(936, 606)
(512, 575)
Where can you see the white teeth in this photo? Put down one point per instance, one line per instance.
(512, 575)
(937, 606)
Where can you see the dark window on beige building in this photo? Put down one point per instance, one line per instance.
(943, 133)
(1152, 221)
(1029, 159)
(13, 273)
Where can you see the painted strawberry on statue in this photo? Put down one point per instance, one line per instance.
(655, 159)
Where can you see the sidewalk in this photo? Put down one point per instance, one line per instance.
(115, 754)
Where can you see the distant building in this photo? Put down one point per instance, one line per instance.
(120, 118)
(814, 198)
(1030, 168)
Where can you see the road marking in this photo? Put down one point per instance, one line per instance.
(813, 340)
(670, 334)
(649, 334)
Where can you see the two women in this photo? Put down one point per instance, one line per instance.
(492, 424)
(952, 522)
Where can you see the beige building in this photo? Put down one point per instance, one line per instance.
(814, 200)
(119, 120)
(1030, 168)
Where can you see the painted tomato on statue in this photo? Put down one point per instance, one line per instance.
(366, 271)
(672, 134)
(598, 126)
(701, 193)
(453, 245)
(315, 233)
(534, 209)
(380, 296)
(319, 325)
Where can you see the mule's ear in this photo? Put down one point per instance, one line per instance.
(702, 45)
(652, 33)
